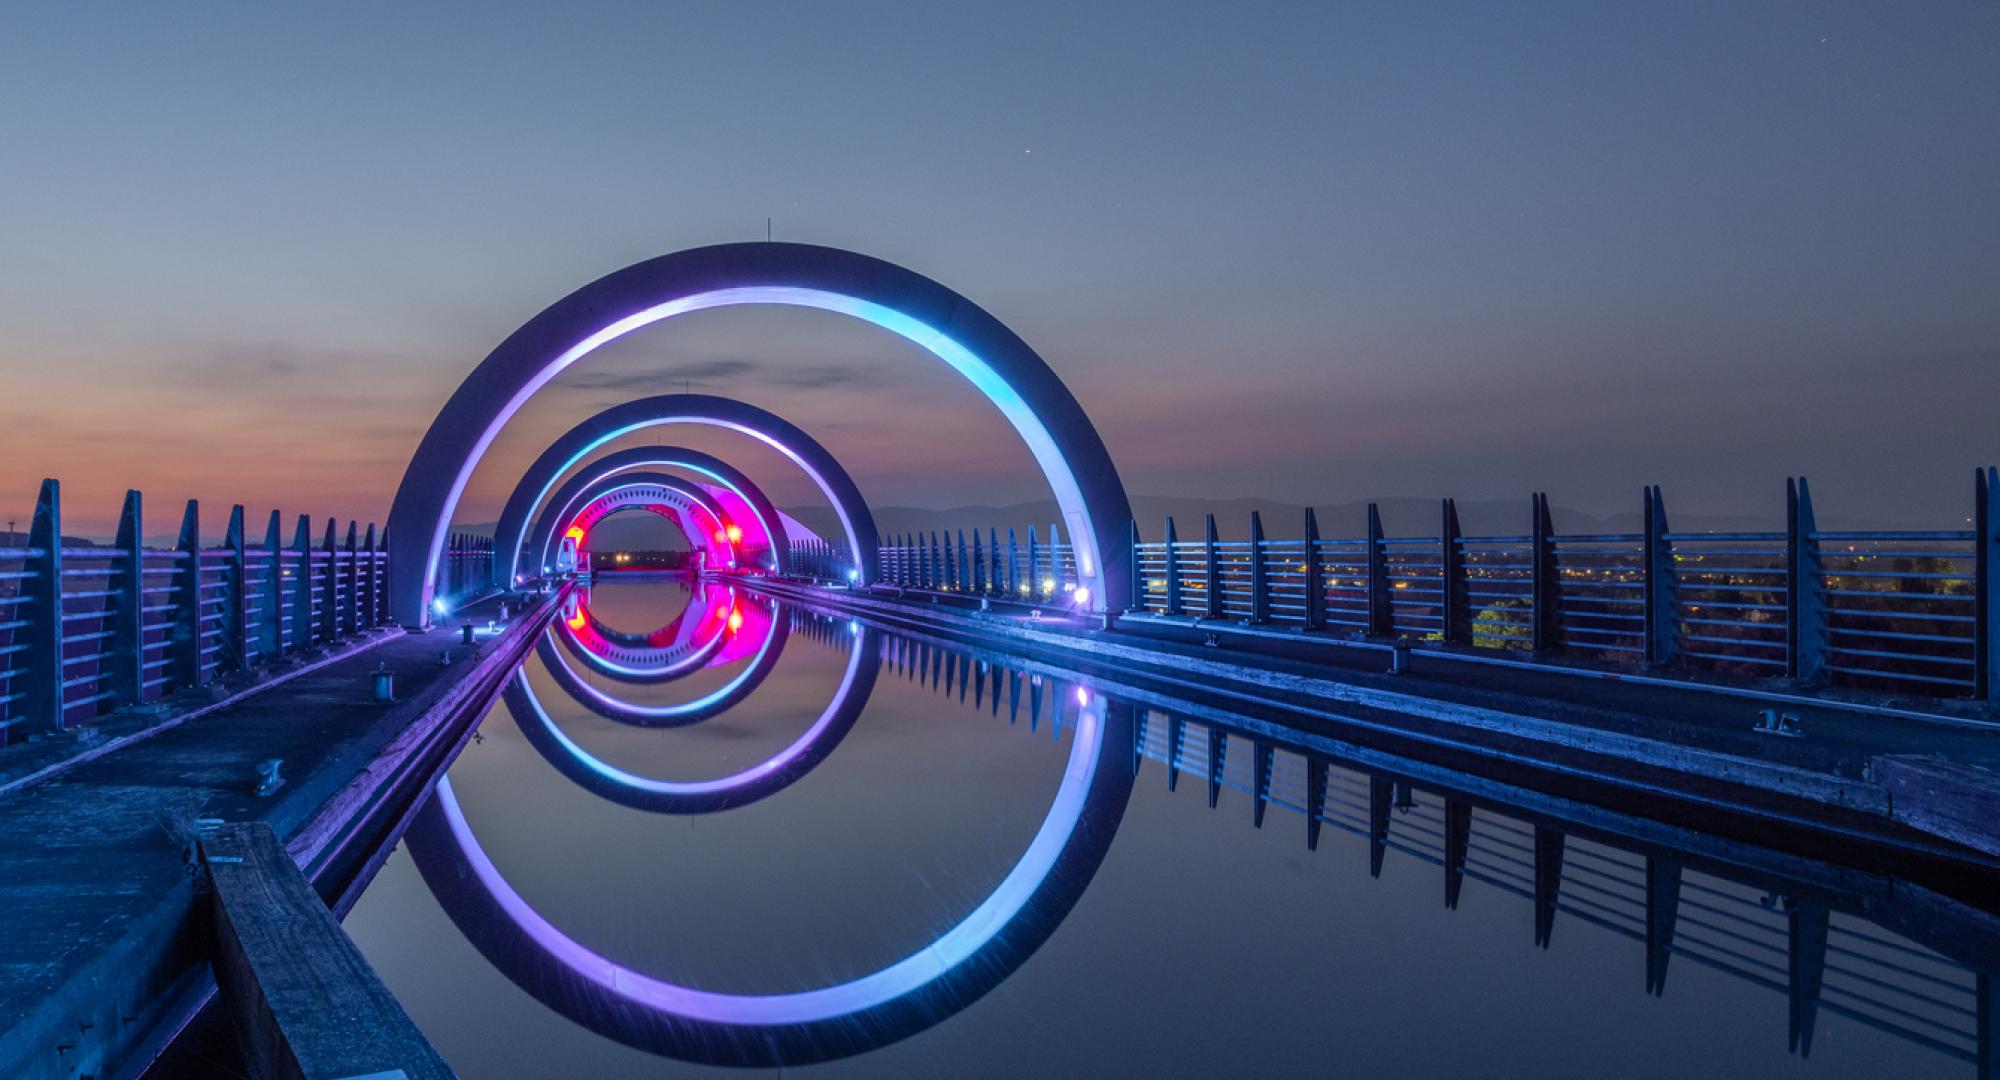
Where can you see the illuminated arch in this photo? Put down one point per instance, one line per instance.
(580, 441)
(999, 364)
(764, 524)
(653, 1014)
(671, 497)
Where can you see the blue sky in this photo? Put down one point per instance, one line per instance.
(1314, 252)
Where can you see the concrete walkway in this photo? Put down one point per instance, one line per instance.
(103, 947)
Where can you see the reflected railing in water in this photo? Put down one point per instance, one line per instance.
(1816, 933)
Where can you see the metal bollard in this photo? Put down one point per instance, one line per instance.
(268, 779)
(1399, 659)
(385, 683)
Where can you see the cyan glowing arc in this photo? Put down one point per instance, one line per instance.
(954, 329)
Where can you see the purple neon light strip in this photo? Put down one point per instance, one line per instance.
(951, 948)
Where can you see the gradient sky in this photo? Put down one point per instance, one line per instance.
(1317, 253)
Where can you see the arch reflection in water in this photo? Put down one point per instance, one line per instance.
(962, 963)
(716, 625)
(720, 650)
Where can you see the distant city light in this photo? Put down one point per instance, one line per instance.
(735, 621)
(440, 606)
(735, 534)
(1081, 596)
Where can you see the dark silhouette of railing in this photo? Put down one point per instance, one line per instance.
(1795, 936)
(87, 629)
(1903, 612)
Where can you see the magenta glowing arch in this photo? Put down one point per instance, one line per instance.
(952, 328)
(684, 504)
(737, 495)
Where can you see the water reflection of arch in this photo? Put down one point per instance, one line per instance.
(963, 963)
(698, 633)
(680, 714)
(734, 488)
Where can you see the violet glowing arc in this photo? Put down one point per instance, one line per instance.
(993, 358)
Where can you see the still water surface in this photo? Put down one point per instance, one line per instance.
(705, 831)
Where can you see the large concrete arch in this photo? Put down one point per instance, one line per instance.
(954, 329)
(650, 491)
(580, 441)
(723, 475)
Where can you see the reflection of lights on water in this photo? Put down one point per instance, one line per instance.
(1082, 697)
(854, 627)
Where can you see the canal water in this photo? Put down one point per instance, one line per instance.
(706, 831)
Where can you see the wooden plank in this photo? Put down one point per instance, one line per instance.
(304, 1001)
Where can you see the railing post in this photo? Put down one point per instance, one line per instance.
(1260, 580)
(302, 583)
(329, 587)
(1315, 576)
(1034, 571)
(1662, 621)
(186, 634)
(1986, 584)
(382, 575)
(1055, 558)
(352, 578)
(1805, 587)
(1174, 604)
(994, 581)
(1456, 609)
(271, 614)
(1381, 613)
(1211, 569)
(127, 644)
(1138, 602)
(364, 583)
(1547, 582)
(236, 596)
(978, 563)
(43, 659)
(1013, 565)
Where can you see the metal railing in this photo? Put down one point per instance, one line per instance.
(86, 629)
(1906, 612)
(947, 561)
